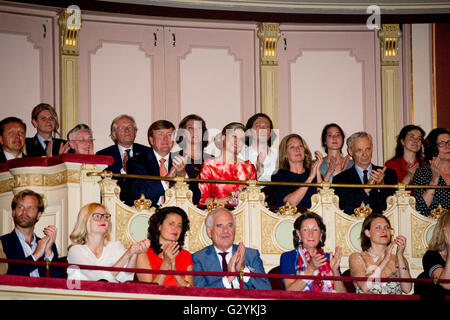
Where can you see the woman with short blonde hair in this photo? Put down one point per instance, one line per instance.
(91, 246)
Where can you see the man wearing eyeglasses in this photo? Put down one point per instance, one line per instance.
(44, 142)
(80, 140)
(22, 243)
(123, 133)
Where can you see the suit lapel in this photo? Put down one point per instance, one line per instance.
(17, 246)
(354, 178)
(213, 260)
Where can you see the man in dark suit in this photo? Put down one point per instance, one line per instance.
(22, 243)
(156, 162)
(360, 147)
(123, 133)
(12, 138)
(224, 256)
(44, 142)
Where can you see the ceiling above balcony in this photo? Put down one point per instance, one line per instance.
(296, 11)
(310, 7)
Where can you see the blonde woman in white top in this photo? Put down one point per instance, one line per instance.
(91, 246)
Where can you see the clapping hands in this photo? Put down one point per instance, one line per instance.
(139, 247)
(45, 244)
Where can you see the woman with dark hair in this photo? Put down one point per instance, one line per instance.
(227, 166)
(192, 138)
(335, 162)
(437, 172)
(308, 257)
(167, 228)
(376, 260)
(295, 165)
(408, 153)
(258, 149)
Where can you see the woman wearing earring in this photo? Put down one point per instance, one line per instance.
(227, 166)
(376, 259)
(91, 246)
(308, 257)
(167, 228)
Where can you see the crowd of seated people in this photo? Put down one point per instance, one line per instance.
(245, 152)
(163, 250)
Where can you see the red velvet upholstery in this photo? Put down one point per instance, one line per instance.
(53, 161)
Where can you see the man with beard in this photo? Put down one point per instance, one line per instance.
(22, 243)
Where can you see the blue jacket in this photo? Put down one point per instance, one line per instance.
(207, 260)
(145, 164)
(13, 250)
(114, 152)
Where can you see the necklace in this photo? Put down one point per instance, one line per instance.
(375, 257)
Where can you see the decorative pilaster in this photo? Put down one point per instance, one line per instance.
(69, 27)
(389, 36)
(268, 35)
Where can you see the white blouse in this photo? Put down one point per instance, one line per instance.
(81, 254)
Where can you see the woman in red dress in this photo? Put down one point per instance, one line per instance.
(227, 166)
(166, 231)
(408, 153)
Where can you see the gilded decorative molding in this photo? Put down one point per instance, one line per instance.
(69, 26)
(418, 245)
(342, 227)
(122, 219)
(46, 180)
(7, 185)
(389, 36)
(240, 225)
(267, 226)
(268, 34)
(195, 233)
(109, 186)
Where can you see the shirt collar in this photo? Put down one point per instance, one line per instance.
(10, 156)
(122, 149)
(41, 140)
(158, 157)
(22, 237)
(360, 172)
(229, 250)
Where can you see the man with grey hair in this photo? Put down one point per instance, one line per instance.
(360, 147)
(123, 134)
(80, 140)
(224, 256)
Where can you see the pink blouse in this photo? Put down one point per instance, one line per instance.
(223, 171)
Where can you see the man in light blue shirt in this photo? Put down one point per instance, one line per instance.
(22, 243)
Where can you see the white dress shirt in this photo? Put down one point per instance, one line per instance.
(235, 282)
(28, 251)
(270, 162)
(81, 254)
